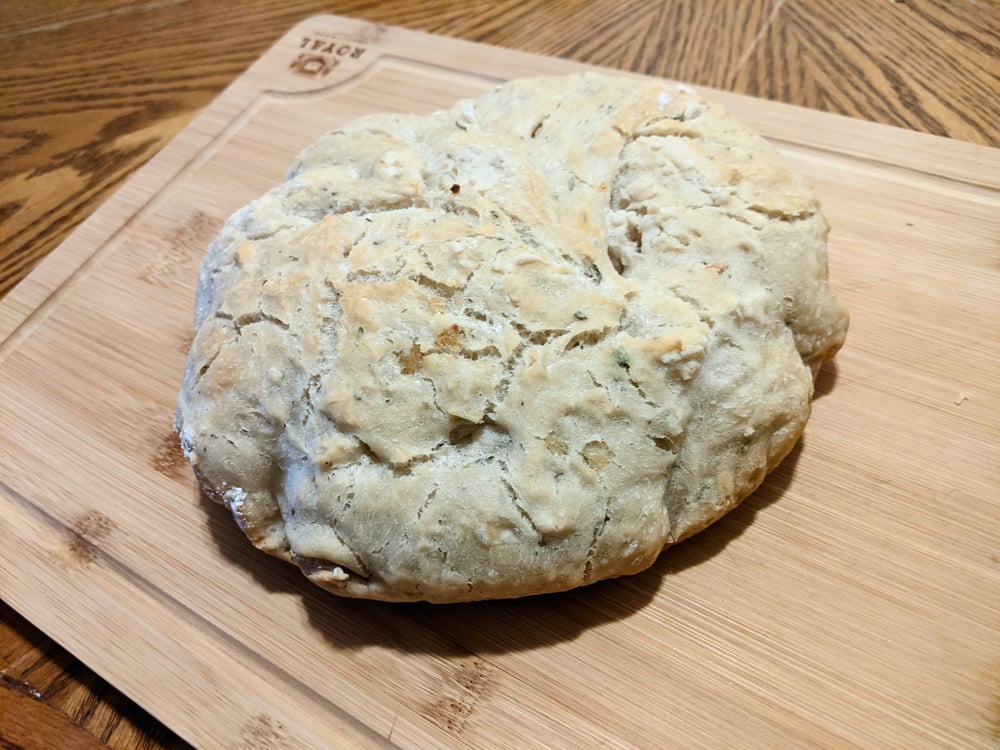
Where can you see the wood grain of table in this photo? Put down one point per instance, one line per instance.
(91, 90)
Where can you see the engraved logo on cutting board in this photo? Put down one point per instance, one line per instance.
(320, 53)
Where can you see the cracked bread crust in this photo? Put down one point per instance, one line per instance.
(509, 348)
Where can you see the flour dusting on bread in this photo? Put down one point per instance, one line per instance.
(508, 348)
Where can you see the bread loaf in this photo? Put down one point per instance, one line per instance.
(512, 347)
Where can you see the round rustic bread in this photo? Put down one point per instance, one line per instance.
(509, 348)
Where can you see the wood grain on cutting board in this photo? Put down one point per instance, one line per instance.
(853, 600)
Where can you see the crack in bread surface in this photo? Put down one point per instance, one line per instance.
(512, 347)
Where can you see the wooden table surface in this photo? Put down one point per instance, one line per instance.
(90, 90)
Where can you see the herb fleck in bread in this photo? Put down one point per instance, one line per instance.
(513, 347)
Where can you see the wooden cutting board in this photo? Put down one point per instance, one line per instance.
(854, 600)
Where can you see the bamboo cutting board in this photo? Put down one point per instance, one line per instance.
(854, 600)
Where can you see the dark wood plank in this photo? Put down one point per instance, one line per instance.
(49, 699)
(927, 66)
